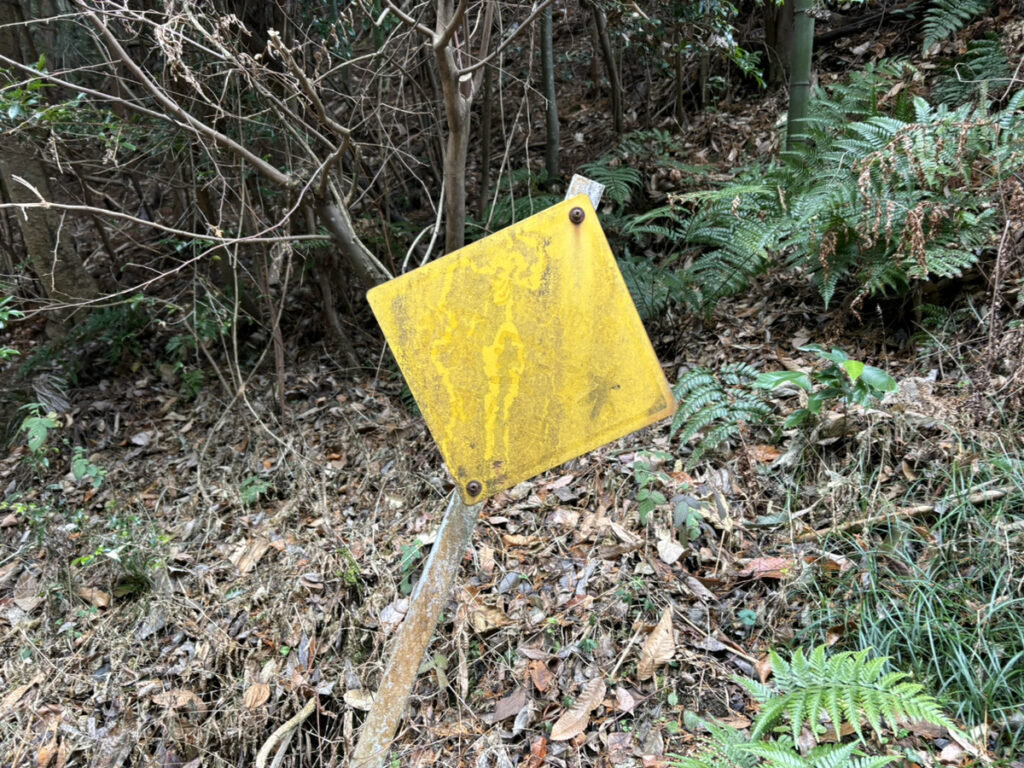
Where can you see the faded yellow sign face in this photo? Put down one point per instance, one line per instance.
(524, 349)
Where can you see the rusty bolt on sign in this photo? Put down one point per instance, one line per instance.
(473, 488)
(576, 215)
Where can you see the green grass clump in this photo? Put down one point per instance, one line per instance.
(944, 598)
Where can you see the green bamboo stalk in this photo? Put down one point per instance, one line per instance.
(800, 73)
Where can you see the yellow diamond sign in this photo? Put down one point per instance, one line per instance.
(523, 350)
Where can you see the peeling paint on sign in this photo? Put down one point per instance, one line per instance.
(524, 349)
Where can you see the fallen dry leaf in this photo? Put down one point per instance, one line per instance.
(359, 699)
(248, 555)
(485, 557)
(834, 634)
(575, 720)
(951, 754)
(485, 619)
(14, 696)
(925, 729)
(393, 614)
(26, 592)
(739, 722)
(93, 596)
(538, 752)
(765, 454)
(624, 701)
(510, 705)
(620, 747)
(806, 741)
(832, 563)
(9, 571)
(179, 698)
(658, 649)
(519, 540)
(541, 675)
(256, 695)
(699, 590)
(654, 761)
(768, 568)
(670, 550)
(47, 752)
(763, 667)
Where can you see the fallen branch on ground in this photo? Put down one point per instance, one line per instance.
(920, 509)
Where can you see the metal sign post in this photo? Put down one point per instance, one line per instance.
(425, 604)
(523, 350)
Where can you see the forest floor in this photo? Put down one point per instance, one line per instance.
(209, 565)
(233, 564)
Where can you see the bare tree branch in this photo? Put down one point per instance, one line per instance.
(200, 127)
(504, 43)
(444, 35)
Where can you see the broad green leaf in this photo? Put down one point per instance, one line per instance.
(815, 401)
(853, 368)
(878, 379)
(776, 379)
(796, 418)
(835, 356)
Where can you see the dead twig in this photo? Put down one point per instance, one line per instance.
(284, 732)
(920, 509)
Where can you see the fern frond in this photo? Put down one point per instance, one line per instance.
(620, 182)
(780, 754)
(726, 748)
(945, 17)
(982, 71)
(848, 688)
(715, 404)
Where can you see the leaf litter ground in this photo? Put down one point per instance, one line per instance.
(230, 568)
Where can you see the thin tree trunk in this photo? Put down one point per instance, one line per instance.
(338, 222)
(458, 101)
(548, 73)
(778, 21)
(485, 145)
(601, 29)
(677, 62)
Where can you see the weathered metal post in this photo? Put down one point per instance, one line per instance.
(425, 604)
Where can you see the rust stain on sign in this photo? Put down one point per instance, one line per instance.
(524, 349)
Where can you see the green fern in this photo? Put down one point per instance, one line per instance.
(847, 687)
(726, 748)
(945, 17)
(654, 143)
(654, 288)
(782, 755)
(518, 197)
(887, 192)
(621, 182)
(983, 72)
(715, 404)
